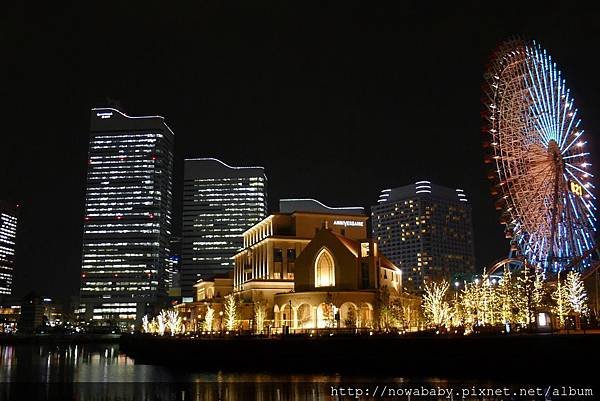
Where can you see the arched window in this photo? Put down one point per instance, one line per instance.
(324, 269)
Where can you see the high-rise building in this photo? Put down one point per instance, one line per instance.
(426, 230)
(127, 223)
(220, 202)
(173, 266)
(8, 240)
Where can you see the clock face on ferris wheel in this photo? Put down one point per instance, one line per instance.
(540, 156)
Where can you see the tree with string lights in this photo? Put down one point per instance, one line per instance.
(529, 294)
(209, 317)
(174, 322)
(161, 320)
(436, 309)
(260, 312)
(577, 294)
(505, 292)
(562, 304)
(231, 312)
(145, 324)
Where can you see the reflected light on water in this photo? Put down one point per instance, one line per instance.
(94, 372)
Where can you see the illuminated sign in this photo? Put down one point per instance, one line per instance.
(575, 188)
(348, 223)
(104, 115)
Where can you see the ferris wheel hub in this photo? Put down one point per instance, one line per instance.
(555, 154)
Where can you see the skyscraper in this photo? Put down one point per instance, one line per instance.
(426, 230)
(220, 202)
(127, 223)
(8, 240)
(173, 266)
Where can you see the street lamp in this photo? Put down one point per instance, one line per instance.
(221, 318)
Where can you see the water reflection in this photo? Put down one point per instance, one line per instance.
(100, 372)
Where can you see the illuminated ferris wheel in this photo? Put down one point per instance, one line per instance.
(540, 158)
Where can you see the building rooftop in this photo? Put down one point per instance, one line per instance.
(110, 119)
(314, 206)
(421, 189)
(354, 247)
(209, 167)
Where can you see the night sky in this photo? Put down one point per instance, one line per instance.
(336, 102)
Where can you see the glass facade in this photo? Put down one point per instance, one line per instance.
(127, 223)
(8, 240)
(173, 264)
(220, 202)
(426, 230)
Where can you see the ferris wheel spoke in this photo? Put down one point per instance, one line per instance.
(543, 98)
(577, 136)
(580, 170)
(563, 119)
(532, 206)
(538, 102)
(577, 155)
(566, 131)
(559, 103)
(572, 118)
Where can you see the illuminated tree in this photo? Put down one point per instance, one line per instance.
(328, 310)
(153, 326)
(145, 324)
(207, 325)
(480, 303)
(161, 319)
(412, 316)
(436, 309)
(539, 288)
(470, 304)
(390, 311)
(260, 311)
(491, 302)
(351, 317)
(576, 293)
(231, 312)
(505, 293)
(174, 322)
(457, 312)
(397, 318)
(382, 306)
(562, 303)
(529, 294)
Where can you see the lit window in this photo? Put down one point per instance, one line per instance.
(324, 269)
(364, 249)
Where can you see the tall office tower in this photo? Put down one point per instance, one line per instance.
(127, 224)
(8, 240)
(220, 202)
(173, 266)
(426, 230)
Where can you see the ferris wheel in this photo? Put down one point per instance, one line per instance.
(540, 158)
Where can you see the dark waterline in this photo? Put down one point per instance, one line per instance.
(103, 372)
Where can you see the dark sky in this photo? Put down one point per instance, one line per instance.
(337, 102)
